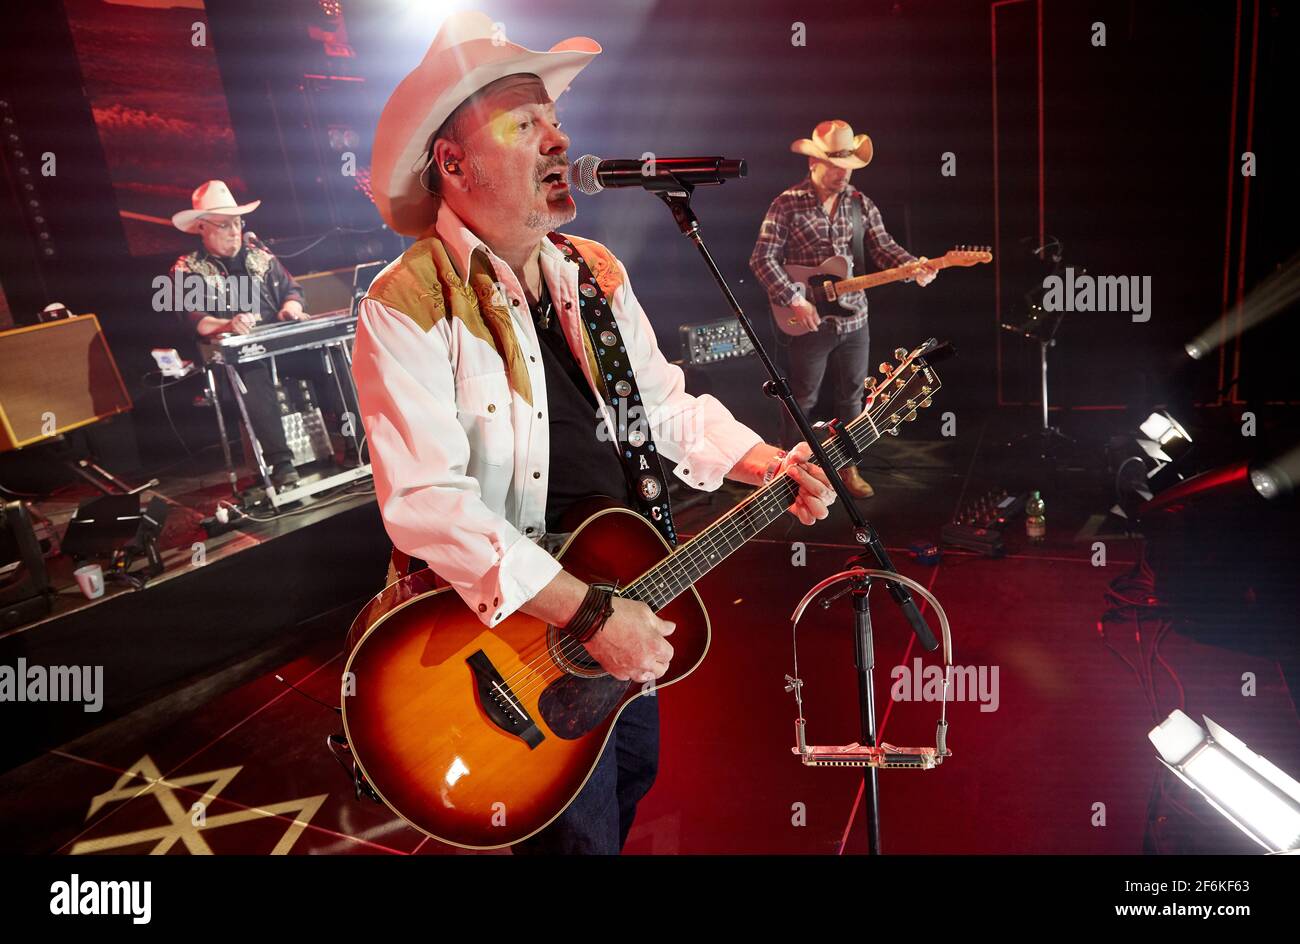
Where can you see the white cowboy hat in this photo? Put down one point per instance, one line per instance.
(835, 141)
(211, 199)
(468, 53)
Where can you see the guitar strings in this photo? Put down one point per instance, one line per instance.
(571, 648)
(744, 514)
(695, 551)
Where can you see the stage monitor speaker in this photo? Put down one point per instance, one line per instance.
(55, 377)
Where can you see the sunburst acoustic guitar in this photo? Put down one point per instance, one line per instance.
(481, 736)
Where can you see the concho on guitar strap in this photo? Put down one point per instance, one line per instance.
(636, 448)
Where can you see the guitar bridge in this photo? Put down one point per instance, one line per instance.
(500, 703)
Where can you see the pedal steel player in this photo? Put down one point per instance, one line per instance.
(228, 251)
(479, 390)
(806, 225)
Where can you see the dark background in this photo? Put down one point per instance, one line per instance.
(1141, 144)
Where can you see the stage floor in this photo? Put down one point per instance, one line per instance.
(1051, 757)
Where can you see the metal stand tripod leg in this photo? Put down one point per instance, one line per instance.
(215, 397)
(865, 660)
(237, 387)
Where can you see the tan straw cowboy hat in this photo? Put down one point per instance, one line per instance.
(468, 53)
(211, 199)
(835, 141)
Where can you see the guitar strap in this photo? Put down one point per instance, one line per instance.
(636, 449)
(859, 236)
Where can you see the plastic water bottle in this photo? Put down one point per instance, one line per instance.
(1036, 518)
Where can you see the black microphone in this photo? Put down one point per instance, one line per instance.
(590, 175)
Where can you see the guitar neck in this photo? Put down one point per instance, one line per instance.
(884, 277)
(672, 576)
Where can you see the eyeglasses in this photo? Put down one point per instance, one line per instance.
(233, 225)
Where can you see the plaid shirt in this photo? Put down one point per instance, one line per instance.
(797, 231)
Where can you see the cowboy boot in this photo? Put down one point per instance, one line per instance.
(858, 486)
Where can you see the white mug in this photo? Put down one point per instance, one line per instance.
(91, 580)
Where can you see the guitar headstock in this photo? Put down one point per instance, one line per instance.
(906, 386)
(967, 256)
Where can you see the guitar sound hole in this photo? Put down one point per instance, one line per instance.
(570, 656)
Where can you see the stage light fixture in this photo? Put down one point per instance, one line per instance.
(1257, 797)
(1167, 434)
(1277, 477)
(1273, 295)
(1145, 461)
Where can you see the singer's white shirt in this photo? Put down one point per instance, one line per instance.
(461, 460)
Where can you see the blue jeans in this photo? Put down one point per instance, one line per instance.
(598, 819)
(848, 358)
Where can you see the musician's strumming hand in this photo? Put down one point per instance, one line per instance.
(805, 314)
(631, 645)
(242, 323)
(815, 492)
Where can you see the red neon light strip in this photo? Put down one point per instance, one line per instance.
(1245, 205)
(1227, 220)
(1042, 206)
(997, 204)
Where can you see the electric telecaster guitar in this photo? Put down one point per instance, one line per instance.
(482, 736)
(827, 284)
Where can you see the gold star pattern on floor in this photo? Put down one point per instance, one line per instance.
(188, 824)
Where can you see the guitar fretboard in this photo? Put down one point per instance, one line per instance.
(664, 582)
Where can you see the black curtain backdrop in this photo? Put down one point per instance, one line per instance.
(1139, 150)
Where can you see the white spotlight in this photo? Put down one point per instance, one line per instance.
(1259, 799)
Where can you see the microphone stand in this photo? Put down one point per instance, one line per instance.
(676, 195)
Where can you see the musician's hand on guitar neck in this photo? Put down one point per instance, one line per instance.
(805, 314)
(926, 271)
(631, 645)
(815, 492)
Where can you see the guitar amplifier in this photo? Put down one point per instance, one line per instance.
(55, 377)
(713, 341)
(337, 289)
(325, 292)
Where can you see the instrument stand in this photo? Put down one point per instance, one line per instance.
(104, 480)
(864, 660)
(1041, 327)
(1046, 436)
(280, 497)
(677, 196)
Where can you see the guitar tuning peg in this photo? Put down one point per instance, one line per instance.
(884, 369)
(926, 402)
(900, 353)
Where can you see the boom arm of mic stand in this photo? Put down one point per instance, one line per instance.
(678, 200)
